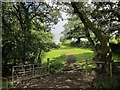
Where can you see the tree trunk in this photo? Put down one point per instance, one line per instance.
(39, 58)
(14, 61)
(87, 34)
(78, 40)
(106, 53)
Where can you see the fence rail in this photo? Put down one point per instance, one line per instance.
(24, 72)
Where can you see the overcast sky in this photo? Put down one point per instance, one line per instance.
(58, 28)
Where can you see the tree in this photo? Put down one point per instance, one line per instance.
(106, 16)
(63, 39)
(25, 25)
(105, 54)
(74, 29)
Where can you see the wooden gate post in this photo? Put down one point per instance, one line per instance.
(33, 71)
(48, 64)
(111, 69)
(86, 67)
(12, 74)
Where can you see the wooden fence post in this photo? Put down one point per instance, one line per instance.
(48, 64)
(86, 68)
(12, 74)
(30, 68)
(33, 71)
(111, 69)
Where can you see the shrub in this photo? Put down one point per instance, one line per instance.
(55, 67)
(115, 48)
(106, 82)
(6, 84)
(83, 44)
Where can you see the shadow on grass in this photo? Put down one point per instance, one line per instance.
(83, 56)
(57, 64)
(66, 47)
(85, 60)
(71, 47)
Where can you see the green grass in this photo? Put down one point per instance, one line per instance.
(82, 59)
(58, 63)
(6, 85)
(58, 57)
(84, 53)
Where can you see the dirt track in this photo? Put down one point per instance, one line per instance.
(70, 77)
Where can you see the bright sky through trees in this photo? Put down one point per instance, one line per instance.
(58, 28)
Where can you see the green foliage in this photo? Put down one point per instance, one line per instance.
(57, 63)
(113, 40)
(63, 39)
(42, 40)
(116, 58)
(7, 85)
(82, 44)
(74, 29)
(106, 16)
(106, 82)
(57, 46)
(115, 48)
(66, 43)
(26, 32)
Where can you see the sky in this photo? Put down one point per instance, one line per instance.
(58, 28)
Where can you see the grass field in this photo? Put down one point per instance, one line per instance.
(58, 56)
(82, 53)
